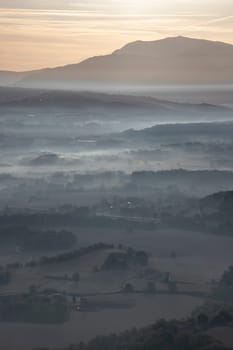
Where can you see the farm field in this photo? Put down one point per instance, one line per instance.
(86, 325)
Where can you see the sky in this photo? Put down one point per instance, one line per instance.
(47, 33)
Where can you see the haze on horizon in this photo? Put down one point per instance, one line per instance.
(42, 33)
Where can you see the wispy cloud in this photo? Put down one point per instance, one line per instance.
(37, 33)
(220, 19)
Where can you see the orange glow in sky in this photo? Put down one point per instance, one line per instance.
(42, 33)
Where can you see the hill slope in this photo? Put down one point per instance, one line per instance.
(172, 60)
(47, 99)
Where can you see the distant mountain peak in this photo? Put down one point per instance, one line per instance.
(173, 60)
(170, 44)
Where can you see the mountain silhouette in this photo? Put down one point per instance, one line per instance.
(177, 60)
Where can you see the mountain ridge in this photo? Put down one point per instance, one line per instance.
(16, 97)
(174, 60)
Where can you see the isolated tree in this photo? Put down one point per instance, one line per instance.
(227, 278)
(172, 286)
(173, 255)
(203, 320)
(151, 288)
(76, 277)
(128, 288)
(32, 289)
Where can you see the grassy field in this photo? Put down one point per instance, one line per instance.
(85, 325)
(200, 258)
(223, 334)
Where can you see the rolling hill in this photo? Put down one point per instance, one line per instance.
(47, 99)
